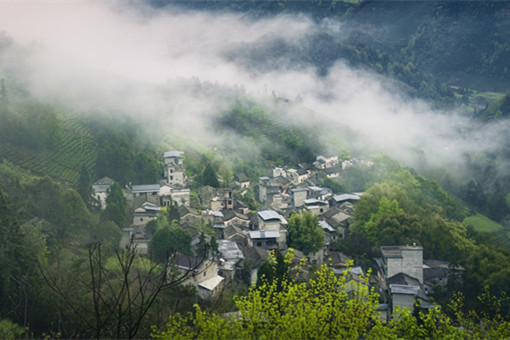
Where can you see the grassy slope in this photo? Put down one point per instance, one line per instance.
(64, 161)
(483, 224)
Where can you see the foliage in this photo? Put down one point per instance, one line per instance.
(482, 224)
(10, 330)
(304, 232)
(320, 309)
(333, 184)
(209, 176)
(330, 307)
(275, 270)
(85, 185)
(115, 206)
(169, 239)
(108, 295)
(278, 139)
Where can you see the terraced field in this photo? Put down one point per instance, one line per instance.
(63, 163)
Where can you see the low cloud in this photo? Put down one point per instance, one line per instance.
(177, 69)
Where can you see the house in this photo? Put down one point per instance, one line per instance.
(324, 162)
(145, 213)
(131, 239)
(437, 274)
(216, 199)
(404, 290)
(267, 190)
(337, 219)
(279, 171)
(181, 196)
(174, 168)
(317, 207)
(233, 218)
(318, 193)
(270, 220)
(280, 201)
(403, 259)
(403, 296)
(100, 189)
(231, 256)
(145, 190)
(333, 172)
(190, 216)
(330, 234)
(266, 239)
(202, 273)
(298, 197)
(226, 196)
(236, 234)
(242, 180)
(254, 257)
(342, 198)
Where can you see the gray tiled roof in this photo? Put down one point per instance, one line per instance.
(268, 215)
(175, 153)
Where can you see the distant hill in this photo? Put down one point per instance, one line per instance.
(420, 43)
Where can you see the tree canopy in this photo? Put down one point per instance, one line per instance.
(304, 232)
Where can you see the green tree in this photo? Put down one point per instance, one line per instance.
(115, 206)
(169, 239)
(304, 232)
(209, 176)
(84, 185)
(172, 213)
(332, 184)
(319, 309)
(275, 270)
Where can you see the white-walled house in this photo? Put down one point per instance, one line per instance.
(174, 168)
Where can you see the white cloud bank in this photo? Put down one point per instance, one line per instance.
(101, 54)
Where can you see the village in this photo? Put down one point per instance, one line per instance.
(245, 237)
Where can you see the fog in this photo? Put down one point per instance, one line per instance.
(176, 69)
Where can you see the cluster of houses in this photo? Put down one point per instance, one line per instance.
(246, 237)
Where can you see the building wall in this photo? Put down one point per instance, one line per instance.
(299, 198)
(175, 176)
(403, 300)
(411, 263)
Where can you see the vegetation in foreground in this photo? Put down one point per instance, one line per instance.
(330, 307)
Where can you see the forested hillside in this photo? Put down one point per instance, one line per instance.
(355, 124)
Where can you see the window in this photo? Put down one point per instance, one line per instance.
(141, 219)
(259, 244)
(171, 178)
(205, 273)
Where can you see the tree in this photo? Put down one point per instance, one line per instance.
(84, 185)
(331, 307)
(115, 206)
(304, 232)
(109, 296)
(172, 213)
(274, 270)
(169, 239)
(209, 176)
(319, 309)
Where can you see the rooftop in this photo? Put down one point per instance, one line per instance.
(345, 197)
(258, 234)
(396, 251)
(268, 215)
(404, 289)
(211, 283)
(174, 153)
(145, 188)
